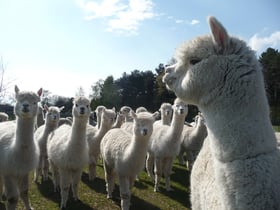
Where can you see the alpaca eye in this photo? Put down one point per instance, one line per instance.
(194, 61)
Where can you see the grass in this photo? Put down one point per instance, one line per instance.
(276, 128)
(93, 195)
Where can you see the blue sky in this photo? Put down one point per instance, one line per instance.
(61, 45)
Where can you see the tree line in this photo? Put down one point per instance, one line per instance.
(145, 88)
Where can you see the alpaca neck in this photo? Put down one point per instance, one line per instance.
(102, 131)
(24, 131)
(49, 128)
(239, 131)
(176, 127)
(165, 120)
(137, 148)
(78, 133)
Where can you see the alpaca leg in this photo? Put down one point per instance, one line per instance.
(23, 189)
(45, 168)
(55, 177)
(92, 170)
(149, 166)
(75, 183)
(190, 160)
(110, 180)
(167, 171)
(124, 192)
(181, 157)
(158, 173)
(38, 170)
(10, 186)
(65, 182)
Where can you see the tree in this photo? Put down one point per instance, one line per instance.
(5, 83)
(110, 96)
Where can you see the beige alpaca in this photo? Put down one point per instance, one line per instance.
(67, 150)
(19, 153)
(94, 138)
(238, 165)
(165, 144)
(124, 154)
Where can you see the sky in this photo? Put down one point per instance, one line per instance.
(61, 45)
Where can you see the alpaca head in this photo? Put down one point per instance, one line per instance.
(26, 103)
(108, 117)
(53, 114)
(99, 109)
(166, 110)
(211, 67)
(143, 123)
(81, 107)
(141, 109)
(180, 108)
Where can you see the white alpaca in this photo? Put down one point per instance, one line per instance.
(238, 165)
(94, 138)
(192, 140)
(166, 111)
(140, 109)
(165, 144)
(125, 110)
(3, 117)
(119, 120)
(124, 154)
(67, 150)
(19, 153)
(41, 136)
(98, 112)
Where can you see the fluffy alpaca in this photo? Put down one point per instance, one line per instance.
(65, 120)
(238, 165)
(125, 110)
(3, 117)
(98, 112)
(166, 111)
(124, 154)
(165, 144)
(19, 153)
(41, 136)
(192, 140)
(94, 138)
(40, 117)
(67, 150)
(119, 120)
(140, 109)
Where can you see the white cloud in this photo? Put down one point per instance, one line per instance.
(179, 21)
(194, 22)
(120, 16)
(260, 44)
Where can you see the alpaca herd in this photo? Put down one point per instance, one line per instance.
(231, 149)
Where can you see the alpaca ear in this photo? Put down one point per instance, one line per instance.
(219, 34)
(16, 90)
(46, 107)
(40, 91)
(61, 108)
(155, 115)
(114, 109)
(132, 113)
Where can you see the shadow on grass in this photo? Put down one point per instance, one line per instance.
(46, 190)
(98, 184)
(2, 206)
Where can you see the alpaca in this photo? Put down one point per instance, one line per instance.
(140, 109)
(65, 120)
(3, 117)
(165, 144)
(192, 140)
(166, 114)
(119, 120)
(94, 138)
(40, 117)
(125, 110)
(67, 150)
(98, 112)
(124, 154)
(238, 165)
(41, 136)
(19, 153)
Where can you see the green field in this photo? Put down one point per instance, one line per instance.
(93, 195)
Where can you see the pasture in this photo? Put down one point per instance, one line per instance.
(93, 195)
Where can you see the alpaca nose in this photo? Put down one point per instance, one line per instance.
(144, 132)
(25, 107)
(82, 109)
